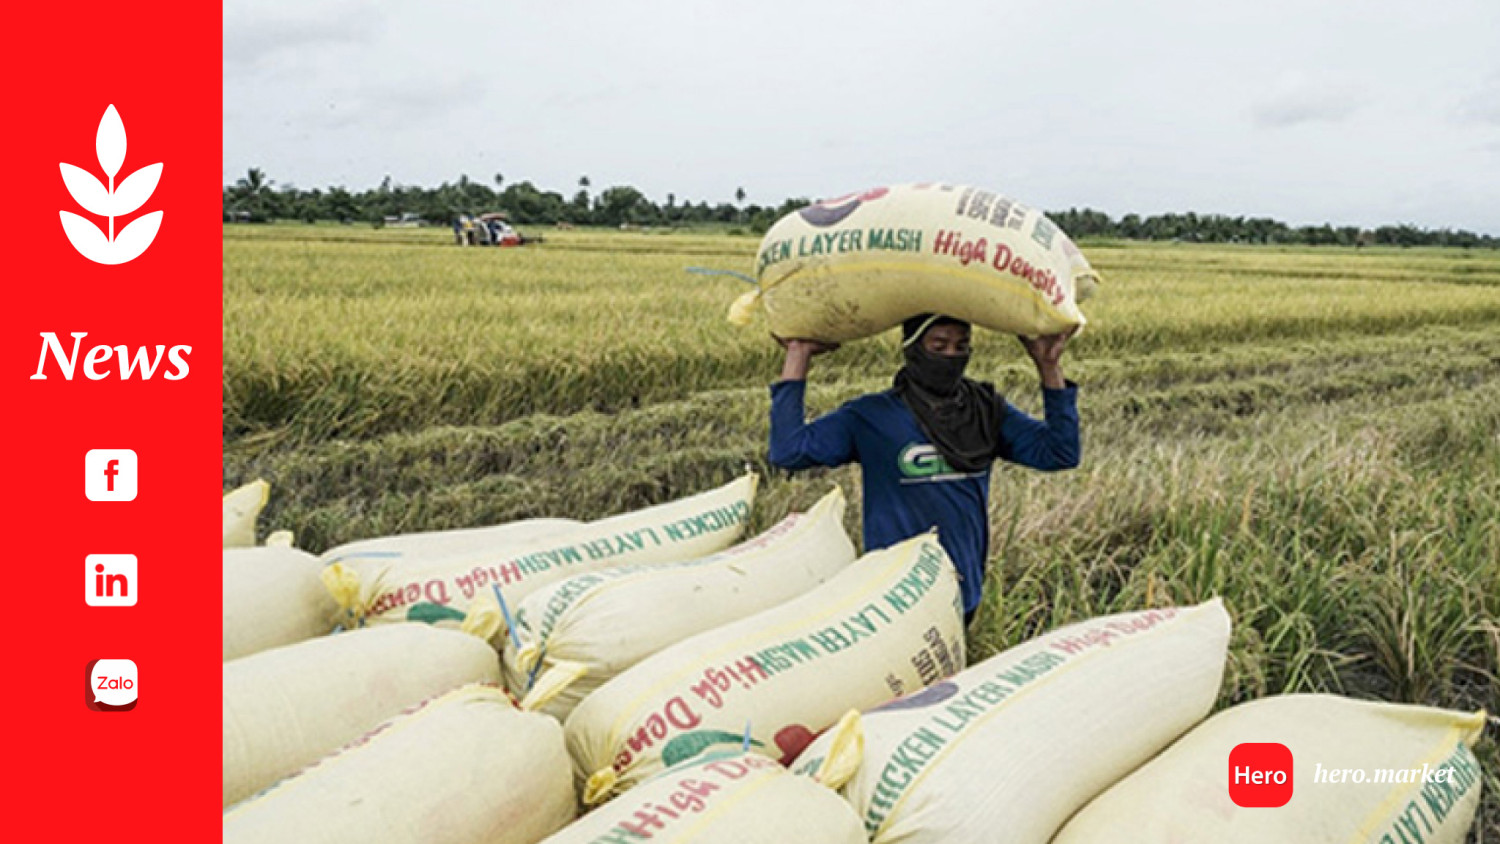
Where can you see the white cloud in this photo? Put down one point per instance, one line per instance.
(1297, 99)
(1483, 105)
(255, 32)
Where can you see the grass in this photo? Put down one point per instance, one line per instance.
(1312, 433)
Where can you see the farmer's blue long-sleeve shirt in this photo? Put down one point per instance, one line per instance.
(908, 487)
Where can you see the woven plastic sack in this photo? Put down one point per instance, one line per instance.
(888, 624)
(241, 508)
(285, 708)
(465, 767)
(441, 543)
(1421, 781)
(721, 798)
(857, 265)
(441, 586)
(273, 597)
(1022, 740)
(594, 626)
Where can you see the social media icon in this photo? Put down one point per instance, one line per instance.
(110, 580)
(1260, 775)
(114, 685)
(109, 474)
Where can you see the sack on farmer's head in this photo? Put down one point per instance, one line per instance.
(857, 265)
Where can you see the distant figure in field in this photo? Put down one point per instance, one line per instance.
(466, 227)
(925, 446)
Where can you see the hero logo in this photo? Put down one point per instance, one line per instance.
(111, 202)
(922, 462)
(141, 360)
(1261, 775)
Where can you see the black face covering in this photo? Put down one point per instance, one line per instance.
(937, 374)
(962, 417)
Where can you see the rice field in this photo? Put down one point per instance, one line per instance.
(1312, 433)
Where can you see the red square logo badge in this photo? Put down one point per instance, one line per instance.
(1260, 775)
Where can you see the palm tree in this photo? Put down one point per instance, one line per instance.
(253, 183)
(252, 193)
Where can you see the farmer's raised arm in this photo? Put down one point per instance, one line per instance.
(1052, 443)
(795, 443)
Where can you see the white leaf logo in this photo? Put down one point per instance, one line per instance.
(109, 143)
(109, 201)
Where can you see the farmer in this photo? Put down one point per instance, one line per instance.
(925, 446)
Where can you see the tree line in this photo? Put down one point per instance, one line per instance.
(255, 198)
(1221, 228)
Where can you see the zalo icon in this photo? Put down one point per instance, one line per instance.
(114, 685)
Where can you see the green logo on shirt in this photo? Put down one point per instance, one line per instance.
(921, 461)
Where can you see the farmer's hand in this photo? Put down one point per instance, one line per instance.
(798, 353)
(800, 346)
(1046, 352)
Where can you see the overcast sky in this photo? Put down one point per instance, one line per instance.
(1360, 112)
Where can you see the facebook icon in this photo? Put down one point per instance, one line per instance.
(109, 474)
